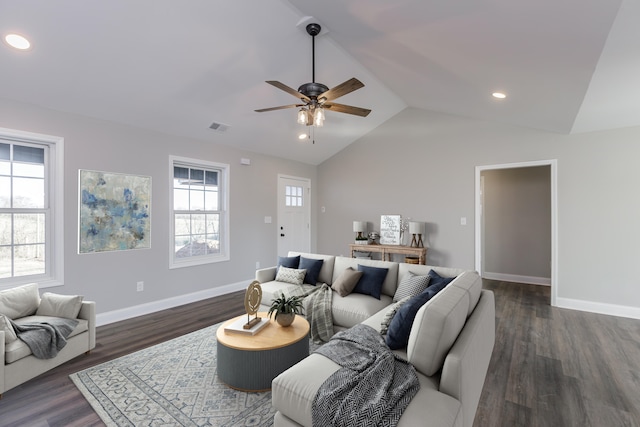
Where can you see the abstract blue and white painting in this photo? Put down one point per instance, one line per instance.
(115, 212)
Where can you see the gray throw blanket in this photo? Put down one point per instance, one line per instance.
(45, 339)
(317, 309)
(373, 387)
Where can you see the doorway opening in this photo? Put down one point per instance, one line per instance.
(479, 219)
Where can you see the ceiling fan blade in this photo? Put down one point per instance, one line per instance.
(282, 107)
(342, 89)
(289, 90)
(341, 108)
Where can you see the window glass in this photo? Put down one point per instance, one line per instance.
(199, 189)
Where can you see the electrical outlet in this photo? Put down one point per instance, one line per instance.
(257, 265)
(140, 286)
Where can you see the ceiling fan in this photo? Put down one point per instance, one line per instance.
(317, 97)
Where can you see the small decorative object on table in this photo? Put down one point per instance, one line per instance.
(373, 237)
(285, 309)
(252, 299)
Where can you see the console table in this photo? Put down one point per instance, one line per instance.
(387, 250)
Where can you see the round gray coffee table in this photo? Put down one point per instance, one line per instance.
(251, 362)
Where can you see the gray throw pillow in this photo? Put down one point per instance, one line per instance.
(411, 285)
(346, 281)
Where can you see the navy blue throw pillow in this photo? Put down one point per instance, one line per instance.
(435, 279)
(289, 262)
(400, 326)
(313, 267)
(371, 281)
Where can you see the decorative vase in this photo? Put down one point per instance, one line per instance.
(285, 319)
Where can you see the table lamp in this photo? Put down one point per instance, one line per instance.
(416, 228)
(359, 227)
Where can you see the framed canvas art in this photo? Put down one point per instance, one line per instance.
(390, 229)
(115, 212)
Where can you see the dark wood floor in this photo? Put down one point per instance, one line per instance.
(558, 367)
(550, 367)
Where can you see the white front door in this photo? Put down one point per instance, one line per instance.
(294, 231)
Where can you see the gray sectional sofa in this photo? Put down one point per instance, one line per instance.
(24, 305)
(450, 343)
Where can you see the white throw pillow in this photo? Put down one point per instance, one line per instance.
(291, 275)
(20, 301)
(60, 305)
(9, 333)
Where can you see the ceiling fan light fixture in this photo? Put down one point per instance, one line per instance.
(302, 116)
(318, 119)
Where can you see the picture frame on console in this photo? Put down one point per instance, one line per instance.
(390, 229)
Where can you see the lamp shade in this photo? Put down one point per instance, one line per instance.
(359, 226)
(415, 227)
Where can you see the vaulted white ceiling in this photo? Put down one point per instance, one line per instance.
(177, 67)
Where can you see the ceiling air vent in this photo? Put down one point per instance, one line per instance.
(219, 127)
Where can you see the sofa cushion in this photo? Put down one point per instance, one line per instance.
(402, 322)
(471, 283)
(20, 301)
(295, 389)
(313, 267)
(18, 349)
(290, 275)
(411, 285)
(435, 329)
(346, 281)
(271, 290)
(9, 332)
(371, 281)
(356, 308)
(67, 306)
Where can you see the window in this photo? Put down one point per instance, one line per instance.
(31, 197)
(293, 196)
(199, 226)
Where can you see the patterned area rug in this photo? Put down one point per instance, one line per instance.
(171, 384)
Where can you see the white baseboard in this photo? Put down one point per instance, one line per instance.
(599, 307)
(152, 307)
(532, 280)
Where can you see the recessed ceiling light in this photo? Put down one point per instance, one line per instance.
(303, 136)
(17, 41)
(499, 95)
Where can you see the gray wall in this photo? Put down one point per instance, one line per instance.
(110, 277)
(517, 222)
(422, 164)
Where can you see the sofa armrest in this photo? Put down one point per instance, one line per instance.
(265, 275)
(88, 312)
(465, 367)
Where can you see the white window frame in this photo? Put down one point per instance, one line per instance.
(54, 211)
(224, 234)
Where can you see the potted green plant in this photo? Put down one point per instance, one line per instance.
(285, 309)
